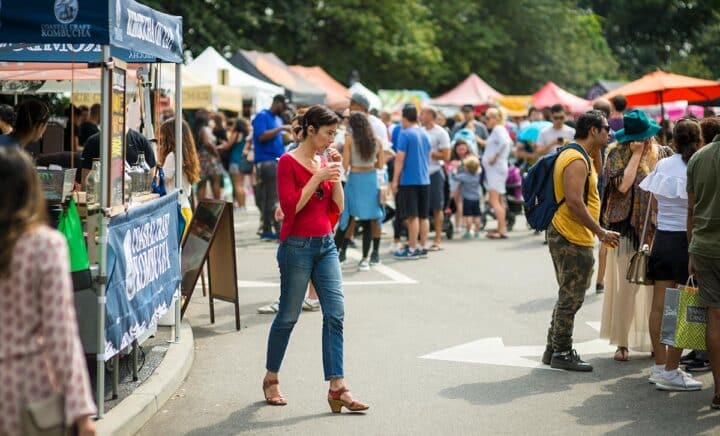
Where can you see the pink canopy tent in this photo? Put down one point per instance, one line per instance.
(551, 94)
(472, 90)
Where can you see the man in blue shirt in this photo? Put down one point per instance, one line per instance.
(269, 146)
(411, 182)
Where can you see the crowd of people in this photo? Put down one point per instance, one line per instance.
(320, 178)
(652, 196)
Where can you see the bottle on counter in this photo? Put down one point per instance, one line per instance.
(92, 184)
(146, 178)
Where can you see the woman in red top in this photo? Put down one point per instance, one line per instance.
(311, 198)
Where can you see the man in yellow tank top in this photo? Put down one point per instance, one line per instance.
(571, 236)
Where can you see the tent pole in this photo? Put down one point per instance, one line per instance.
(105, 83)
(178, 171)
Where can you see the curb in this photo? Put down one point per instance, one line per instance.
(128, 417)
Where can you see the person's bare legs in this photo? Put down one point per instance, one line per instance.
(438, 223)
(458, 209)
(655, 321)
(312, 293)
(424, 231)
(602, 264)
(713, 343)
(238, 180)
(216, 185)
(413, 228)
(499, 208)
(478, 224)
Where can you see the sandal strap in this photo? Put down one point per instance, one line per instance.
(337, 394)
(268, 383)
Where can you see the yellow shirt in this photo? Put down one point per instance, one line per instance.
(564, 221)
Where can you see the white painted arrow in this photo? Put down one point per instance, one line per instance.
(493, 351)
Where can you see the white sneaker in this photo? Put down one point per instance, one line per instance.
(269, 309)
(656, 374)
(311, 305)
(677, 381)
(364, 265)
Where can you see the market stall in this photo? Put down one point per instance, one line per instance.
(138, 267)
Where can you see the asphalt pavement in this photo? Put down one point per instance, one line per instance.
(448, 345)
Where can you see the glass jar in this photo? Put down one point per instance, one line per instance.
(146, 178)
(92, 184)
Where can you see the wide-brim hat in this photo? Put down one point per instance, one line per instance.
(637, 126)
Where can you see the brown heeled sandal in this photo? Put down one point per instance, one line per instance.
(336, 403)
(273, 401)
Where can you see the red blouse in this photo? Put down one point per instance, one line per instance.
(320, 213)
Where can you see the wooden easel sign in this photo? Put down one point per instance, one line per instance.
(211, 238)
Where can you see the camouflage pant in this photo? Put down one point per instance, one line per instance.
(573, 269)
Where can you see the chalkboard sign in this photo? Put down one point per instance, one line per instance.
(211, 238)
(201, 232)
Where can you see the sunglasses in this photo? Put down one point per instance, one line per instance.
(606, 127)
(319, 193)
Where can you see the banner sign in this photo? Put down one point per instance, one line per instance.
(81, 27)
(142, 29)
(143, 270)
(64, 52)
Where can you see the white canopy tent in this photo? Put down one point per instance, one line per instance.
(210, 62)
(374, 99)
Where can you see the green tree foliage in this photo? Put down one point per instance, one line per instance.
(669, 34)
(516, 45)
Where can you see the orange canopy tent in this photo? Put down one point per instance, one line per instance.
(337, 94)
(551, 94)
(660, 87)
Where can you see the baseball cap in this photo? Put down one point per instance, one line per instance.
(361, 100)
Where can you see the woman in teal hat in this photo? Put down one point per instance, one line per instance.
(626, 306)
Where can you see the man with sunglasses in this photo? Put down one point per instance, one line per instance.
(556, 135)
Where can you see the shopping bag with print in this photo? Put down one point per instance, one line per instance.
(684, 318)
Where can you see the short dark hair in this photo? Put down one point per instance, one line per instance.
(710, 128)
(556, 108)
(95, 110)
(586, 121)
(619, 102)
(7, 114)
(687, 138)
(30, 114)
(533, 109)
(279, 98)
(317, 116)
(409, 112)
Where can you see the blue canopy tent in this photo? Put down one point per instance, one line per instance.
(100, 32)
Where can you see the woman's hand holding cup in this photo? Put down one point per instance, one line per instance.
(331, 172)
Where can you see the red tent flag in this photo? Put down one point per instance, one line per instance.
(472, 90)
(551, 94)
(661, 87)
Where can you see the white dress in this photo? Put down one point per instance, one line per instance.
(496, 174)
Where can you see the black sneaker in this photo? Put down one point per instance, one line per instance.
(342, 256)
(698, 366)
(422, 253)
(689, 357)
(547, 356)
(715, 402)
(570, 361)
(374, 258)
(599, 288)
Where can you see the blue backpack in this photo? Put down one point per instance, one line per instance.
(538, 188)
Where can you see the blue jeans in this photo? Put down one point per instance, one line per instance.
(302, 259)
